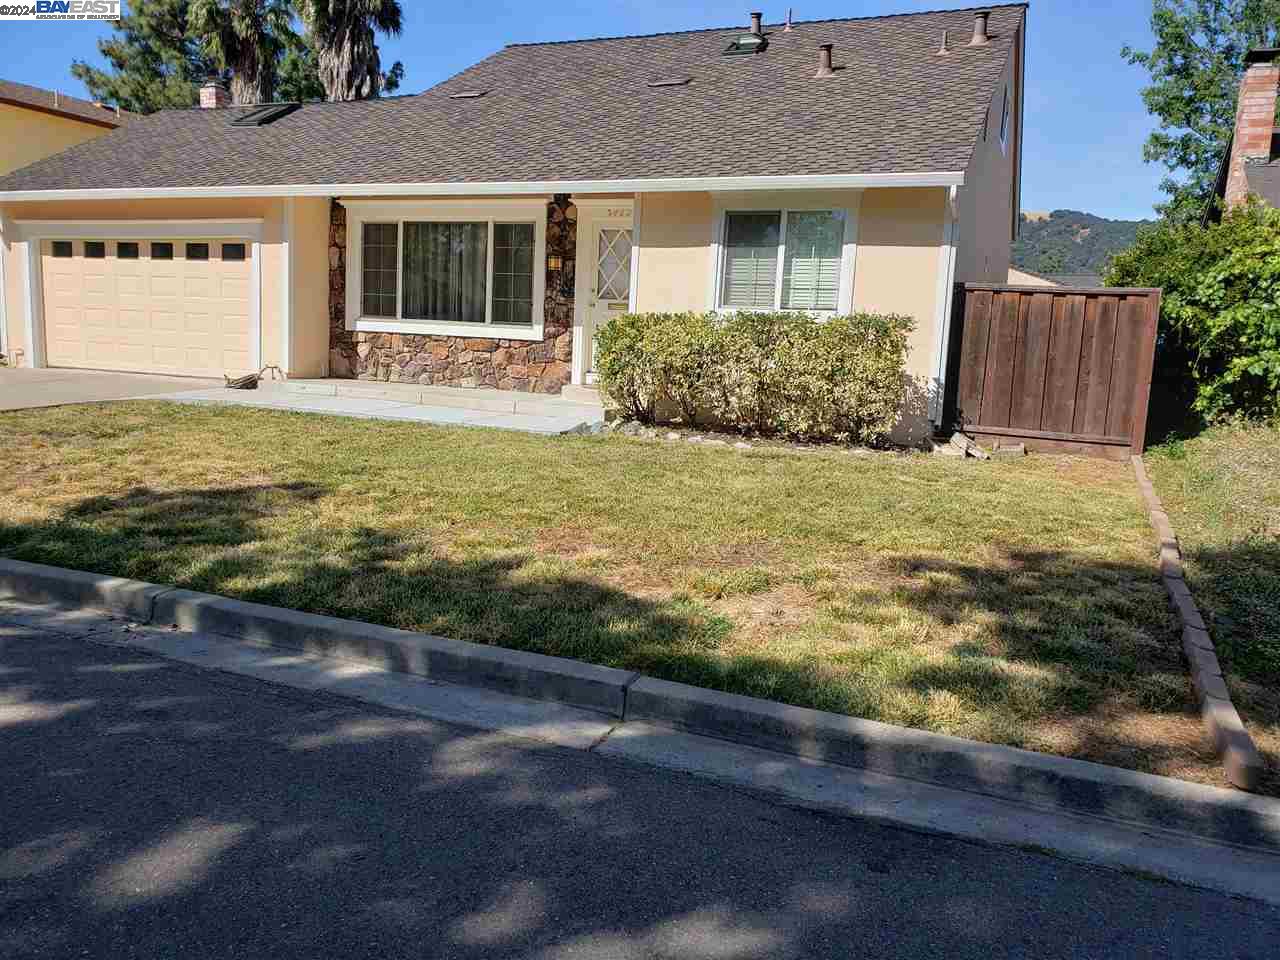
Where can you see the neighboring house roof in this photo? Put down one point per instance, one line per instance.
(1075, 279)
(584, 111)
(61, 105)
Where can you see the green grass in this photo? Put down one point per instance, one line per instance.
(1016, 603)
(1222, 492)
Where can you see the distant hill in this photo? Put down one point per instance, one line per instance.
(1068, 241)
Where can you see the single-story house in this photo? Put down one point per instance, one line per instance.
(478, 233)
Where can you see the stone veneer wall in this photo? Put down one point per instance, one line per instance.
(537, 367)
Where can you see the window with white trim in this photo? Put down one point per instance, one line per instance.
(1004, 123)
(782, 260)
(477, 272)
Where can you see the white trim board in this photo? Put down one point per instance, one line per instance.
(942, 305)
(4, 296)
(508, 187)
(249, 229)
(288, 228)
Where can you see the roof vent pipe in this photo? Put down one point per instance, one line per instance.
(788, 27)
(944, 50)
(980, 35)
(824, 61)
(756, 28)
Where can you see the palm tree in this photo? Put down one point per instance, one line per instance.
(342, 33)
(246, 37)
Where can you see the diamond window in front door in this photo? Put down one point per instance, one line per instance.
(613, 264)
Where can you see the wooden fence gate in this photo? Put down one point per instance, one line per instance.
(1063, 370)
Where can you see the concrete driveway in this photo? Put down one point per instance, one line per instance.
(22, 388)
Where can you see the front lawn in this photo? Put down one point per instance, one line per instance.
(1016, 603)
(1222, 492)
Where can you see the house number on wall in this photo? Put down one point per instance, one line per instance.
(622, 212)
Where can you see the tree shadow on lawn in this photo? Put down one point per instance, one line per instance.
(1058, 636)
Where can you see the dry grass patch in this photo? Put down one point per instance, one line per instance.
(1016, 603)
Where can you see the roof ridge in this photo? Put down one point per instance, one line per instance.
(795, 23)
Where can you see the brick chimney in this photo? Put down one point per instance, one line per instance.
(1255, 120)
(213, 95)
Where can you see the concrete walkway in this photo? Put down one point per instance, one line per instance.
(444, 406)
(22, 388)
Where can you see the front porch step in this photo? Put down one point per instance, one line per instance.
(469, 398)
(575, 393)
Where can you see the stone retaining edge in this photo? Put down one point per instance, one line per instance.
(1005, 772)
(1241, 760)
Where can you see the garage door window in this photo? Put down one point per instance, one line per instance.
(197, 251)
(162, 251)
(233, 251)
(95, 249)
(62, 248)
(126, 250)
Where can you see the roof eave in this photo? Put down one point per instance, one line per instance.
(852, 181)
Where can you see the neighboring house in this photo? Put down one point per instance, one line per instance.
(1025, 278)
(35, 124)
(1252, 161)
(478, 233)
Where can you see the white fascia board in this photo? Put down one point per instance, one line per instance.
(510, 188)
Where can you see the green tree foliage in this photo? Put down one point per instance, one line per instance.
(156, 61)
(1195, 68)
(247, 38)
(1068, 241)
(343, 35)
(1220, 315)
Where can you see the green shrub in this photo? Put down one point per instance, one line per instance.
(842, 378)
(1220, 314)
(626, 367)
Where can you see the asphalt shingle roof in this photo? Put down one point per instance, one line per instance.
(49, 101)
(584, 110)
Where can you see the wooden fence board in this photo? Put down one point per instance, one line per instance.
(1061, 368)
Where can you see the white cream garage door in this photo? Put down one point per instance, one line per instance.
(178, 307)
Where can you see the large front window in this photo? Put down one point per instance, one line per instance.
(782, 260)
(447, 273)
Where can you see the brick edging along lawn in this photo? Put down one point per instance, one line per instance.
(1014, 604)
(1240, 757)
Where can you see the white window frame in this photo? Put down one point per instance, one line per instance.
(488, 210)
(1004, 123)
(725, 204)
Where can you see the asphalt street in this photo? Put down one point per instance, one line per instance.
(153, 809)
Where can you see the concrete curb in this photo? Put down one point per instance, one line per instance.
(1243, 764)
(626, 698)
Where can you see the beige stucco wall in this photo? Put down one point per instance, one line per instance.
(987, 198)
(30, 135)
(310, 287)
(674, 261)
(310, 275)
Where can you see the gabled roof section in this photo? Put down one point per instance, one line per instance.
(61, 105)
(587, 111)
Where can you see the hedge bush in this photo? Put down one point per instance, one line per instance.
(1220, 314)
(787, 374)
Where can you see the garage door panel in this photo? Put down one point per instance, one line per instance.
(163, 316)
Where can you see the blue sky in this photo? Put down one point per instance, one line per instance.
(1084, 116)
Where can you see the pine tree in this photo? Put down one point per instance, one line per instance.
(156, 61)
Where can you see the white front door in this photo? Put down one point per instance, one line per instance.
(610, 283)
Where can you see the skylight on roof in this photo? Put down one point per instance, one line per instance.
(670, 82)
(467, 94)
(746, 43)
(261, 116)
